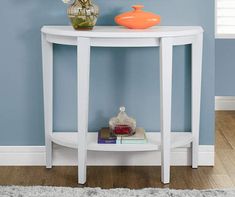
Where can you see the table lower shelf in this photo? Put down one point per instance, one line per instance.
(70, 139)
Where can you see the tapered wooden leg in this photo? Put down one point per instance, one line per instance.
(47, 58)
(197, 46)
(166, 89)
(83, 72)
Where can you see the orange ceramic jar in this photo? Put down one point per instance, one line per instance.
(138, 19)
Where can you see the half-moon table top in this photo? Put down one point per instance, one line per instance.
(122, 32)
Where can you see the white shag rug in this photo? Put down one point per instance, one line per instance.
(40, 191)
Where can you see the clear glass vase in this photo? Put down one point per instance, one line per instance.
(122, 124)
(83, 14)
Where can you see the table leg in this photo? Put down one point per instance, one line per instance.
(47, 61)
(166, 49)
(83, 72)
(197, 47)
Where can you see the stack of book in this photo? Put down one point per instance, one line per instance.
(105, 136)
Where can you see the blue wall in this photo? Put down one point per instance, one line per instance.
(225, 67)
(118, 76)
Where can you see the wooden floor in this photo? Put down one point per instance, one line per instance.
(222, 175)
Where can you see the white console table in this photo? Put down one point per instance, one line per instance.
(114, 36)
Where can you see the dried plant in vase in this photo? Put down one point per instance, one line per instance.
(83, 14)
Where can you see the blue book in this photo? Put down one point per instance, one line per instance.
(105, 136)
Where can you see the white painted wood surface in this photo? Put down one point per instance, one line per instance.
(197, 47)
(83, 76)
(47, 61)
(121, 32)
(115, 36)
(225, 103)
(166, 56)
(69, 139)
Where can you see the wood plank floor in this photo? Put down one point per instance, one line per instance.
(222, 175)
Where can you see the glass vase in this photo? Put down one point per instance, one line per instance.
(122, 124)
(83, 14)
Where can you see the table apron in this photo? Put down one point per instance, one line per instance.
(118, 42)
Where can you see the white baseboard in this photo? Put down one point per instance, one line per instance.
(224, 103)
(35, 156)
